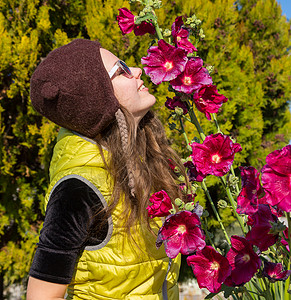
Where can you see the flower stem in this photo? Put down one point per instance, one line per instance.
(248, 295)
(207, 235)
(267, 292)
(185, 135)
(195, 122)
(233, 204)
(216, 123)
(236, 185)
(156, 25)
(215, 211)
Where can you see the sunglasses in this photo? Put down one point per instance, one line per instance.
(124, 69)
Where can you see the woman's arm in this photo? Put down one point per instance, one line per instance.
(44, 290)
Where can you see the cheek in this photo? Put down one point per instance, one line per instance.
(124, 94)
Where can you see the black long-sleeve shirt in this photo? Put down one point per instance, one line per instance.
(74, 219)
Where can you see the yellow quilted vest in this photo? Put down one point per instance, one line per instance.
(118, 268)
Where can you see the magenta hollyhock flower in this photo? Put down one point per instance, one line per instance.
(193, 77)
(243, 260)
(176, 102)
(181, 233)
(126, 23)
(207, 100)
(164, 62)
(247, 200)
(259, 234)
(193, 174)
(180, 36)
(161, 204)
(215, 156)
(276, 176)
(274, 272)
(210, 268)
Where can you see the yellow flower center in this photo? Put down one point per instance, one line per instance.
(187, 80)
(179, 38)
(168, 65)
(246, 258)
(216, 158)
(214, 266)
(181, 229)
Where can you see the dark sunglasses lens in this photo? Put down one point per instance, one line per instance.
(125, 68)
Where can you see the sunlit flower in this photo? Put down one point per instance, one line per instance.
(215, 156)
(193, 78)
(171, 103)
(125, 20)
(274, 272)
(180, 36)
(210, 268)
(193, 174)
(164, 62)
(207, 100)
(276, 178)
(161, 204)
(126, 23)
(259, 234)
(247, 200)
(181, 233)
(243, 260)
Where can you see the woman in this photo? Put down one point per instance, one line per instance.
(97, 241)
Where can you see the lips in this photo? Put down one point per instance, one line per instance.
(141, 88)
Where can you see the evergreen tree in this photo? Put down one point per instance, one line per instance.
(247, 42)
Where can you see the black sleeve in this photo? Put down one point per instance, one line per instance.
(71, 213)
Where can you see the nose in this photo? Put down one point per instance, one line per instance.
(136, 72)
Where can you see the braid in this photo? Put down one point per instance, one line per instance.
(120, 118)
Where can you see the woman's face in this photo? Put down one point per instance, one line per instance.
(129, 91)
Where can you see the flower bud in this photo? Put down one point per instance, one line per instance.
(210, 69)
(148, 9)
(172, 211)
(222, 204)
(179, 111)
(142, 13)
(167, 32)
(181, 178)
(189, 206)
(205, 213)
(177, 170)
(201, 33)
(157, 4)
(180, 203)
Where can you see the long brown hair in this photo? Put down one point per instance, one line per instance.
(149, 153)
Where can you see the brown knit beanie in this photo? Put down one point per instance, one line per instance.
(72, 88)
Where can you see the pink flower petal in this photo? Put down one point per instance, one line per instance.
(210, 268)
(181, 233)
(215, 156)
(259, 234)
(164, 62)
(243, 260)
(125, 20)
(193, 78)
(161, 204)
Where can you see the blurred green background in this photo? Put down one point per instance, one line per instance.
(247, 42)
